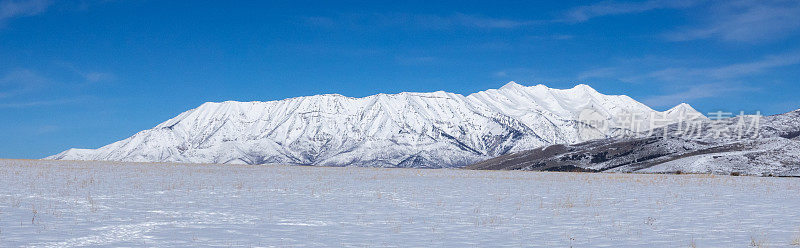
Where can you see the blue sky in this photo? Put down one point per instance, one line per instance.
(87, 73)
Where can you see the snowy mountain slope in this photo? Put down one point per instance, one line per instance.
(437, 129)
(770, 147)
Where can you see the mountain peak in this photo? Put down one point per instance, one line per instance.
(684, 110)
(511, 85)
(585, 88)
(683, 105)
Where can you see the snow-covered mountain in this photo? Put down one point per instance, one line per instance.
(437, 129)
(747, 145)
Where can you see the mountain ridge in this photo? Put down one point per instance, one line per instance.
(742, 145)
(408, 129)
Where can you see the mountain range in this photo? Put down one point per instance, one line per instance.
(422, 130)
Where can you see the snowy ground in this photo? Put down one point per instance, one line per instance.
(61, 203)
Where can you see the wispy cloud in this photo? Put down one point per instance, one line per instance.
(47, 129)
(745, 21)
(731, 71)
(608, 8)
(94, 77)
(20, 81)
(471, 21)
(630, 73)
(40, 103)
(694, 82)
(698, 91)
(733, 21)
(88, 76)
(20, 8)
(557, 37)
(501, 74)
(419, 60)
(457, 20)
(22, 88)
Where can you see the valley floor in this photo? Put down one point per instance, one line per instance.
(64, 203)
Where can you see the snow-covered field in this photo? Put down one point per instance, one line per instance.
(63, 203)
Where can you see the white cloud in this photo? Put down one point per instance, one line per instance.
(745, 21)
(47, 129)
(457, 20)
(694, 92)
(551, 37)
(39, 103)
(19, 88)
(608, 8)
(501, 74)
(731, 71)
(419, 60)
(16, 8)
(95, 77)
(693, 82)
(733, 21)
(471, 21)
(632, 72)
(88, 77)
(20, 81)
